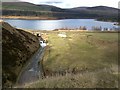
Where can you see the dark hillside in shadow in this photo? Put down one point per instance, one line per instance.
(17, 47)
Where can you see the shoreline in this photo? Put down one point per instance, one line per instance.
(28, 18)
(50, 18)
(81, 31)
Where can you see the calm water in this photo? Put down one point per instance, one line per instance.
(56, 24)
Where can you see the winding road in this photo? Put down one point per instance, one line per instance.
(32, 71)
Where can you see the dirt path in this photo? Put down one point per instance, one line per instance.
(32, 71)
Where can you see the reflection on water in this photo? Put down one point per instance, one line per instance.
(56, 24)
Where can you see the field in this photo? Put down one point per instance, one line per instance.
(80, 60)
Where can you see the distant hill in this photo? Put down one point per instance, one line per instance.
(17, 47)
(103, 8)
(29, 9)
(25, 6)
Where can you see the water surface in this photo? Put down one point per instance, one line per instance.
(56, 24)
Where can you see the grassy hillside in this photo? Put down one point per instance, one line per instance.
(82, 60)
(24, 6)
(17, 47)
(101, 12)
(29, 9)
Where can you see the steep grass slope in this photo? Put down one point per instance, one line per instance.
(17, 47)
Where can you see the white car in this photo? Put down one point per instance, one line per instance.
(42, 44)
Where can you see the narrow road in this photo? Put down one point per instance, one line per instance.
(31, 72)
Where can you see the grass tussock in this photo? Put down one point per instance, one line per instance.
(85, 80)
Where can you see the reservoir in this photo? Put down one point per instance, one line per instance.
(58, 24)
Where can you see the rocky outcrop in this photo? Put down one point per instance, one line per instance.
(17, 47)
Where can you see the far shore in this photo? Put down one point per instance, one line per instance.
(29, 17)
(81, 31)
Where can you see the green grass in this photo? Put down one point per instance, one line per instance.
(77, 50)
(79, 56)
